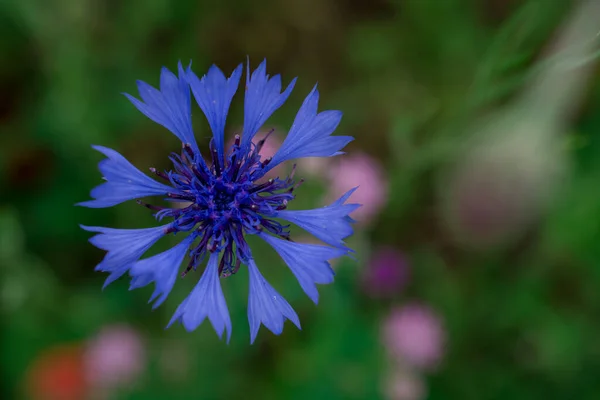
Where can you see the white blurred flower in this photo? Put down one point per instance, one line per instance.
(515, 161)
(404, 385)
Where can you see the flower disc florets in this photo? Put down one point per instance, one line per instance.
(224, 202)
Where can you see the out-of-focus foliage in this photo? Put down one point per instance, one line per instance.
(520, 312)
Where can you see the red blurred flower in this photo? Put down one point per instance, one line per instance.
(57, 374)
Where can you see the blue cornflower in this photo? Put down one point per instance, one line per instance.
(223, 201)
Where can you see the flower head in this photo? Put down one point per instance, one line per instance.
(224, 200)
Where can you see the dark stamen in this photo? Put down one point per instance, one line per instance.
(150, 206)
(221, 265)
(296, 186)
(236, 268)
(262, 186)
(189, 267)
(187, 148)
(200, 174)
(187, 197)
(261, 142)
(215, 158)
(292, 173)
(266, 161)
(211, 246)
(283, 205)
(233, 171)
(236, 169)
(159, 173)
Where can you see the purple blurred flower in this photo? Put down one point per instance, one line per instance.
(114, 357)
(414, 333)
(386, 273)
(365, 172)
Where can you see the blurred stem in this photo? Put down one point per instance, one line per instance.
(557, 90)
(512, 34)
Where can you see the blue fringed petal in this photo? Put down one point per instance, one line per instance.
(205, 301)
(170, 106)
(213, 93)
(310, 134)
(123, 246)
(161, 269)
(266, 305)
(123, 182)
(329, 224)
(263, 97)
(308, 262)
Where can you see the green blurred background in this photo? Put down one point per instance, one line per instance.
(486, 201)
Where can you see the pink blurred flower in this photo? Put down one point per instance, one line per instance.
(365, 172)
(386, 273)
(414, 333)
(114, 357)
(404, 385)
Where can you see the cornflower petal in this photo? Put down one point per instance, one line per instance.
(266, 305)
(161, 269)
(123, 247)
(308, 262)
(123, 182)
(213, 93)
(329, 224)
(310, 134)
(206, 300)
(263, 97)
(170, 106)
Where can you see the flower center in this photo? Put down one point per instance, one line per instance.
(223, 200)
(222, 203)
